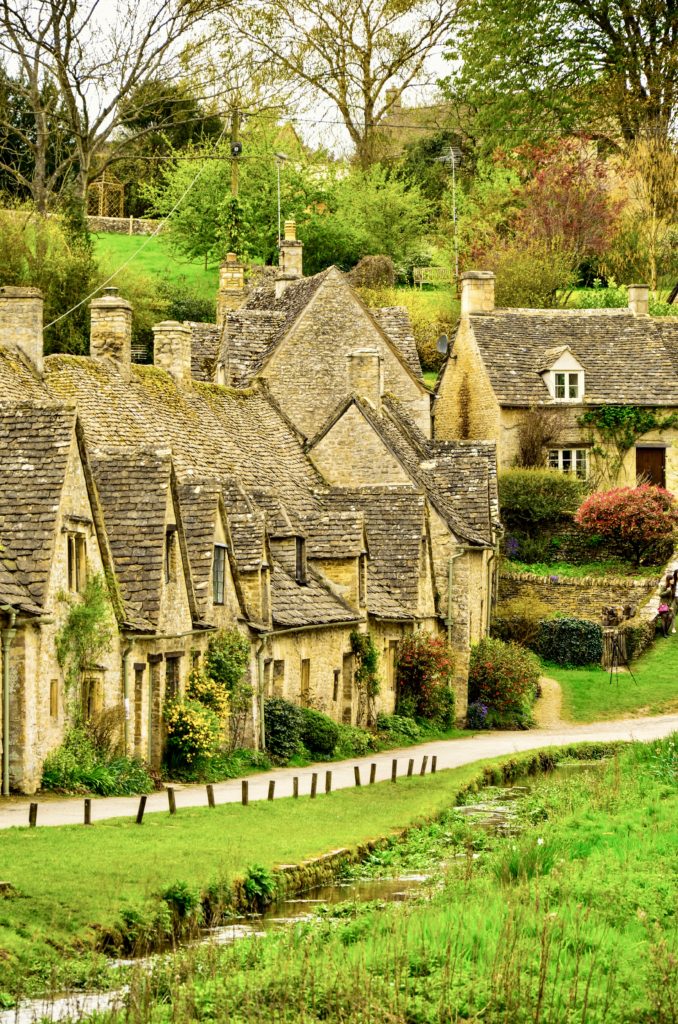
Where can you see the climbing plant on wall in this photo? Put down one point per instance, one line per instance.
(366, 674)
(86, 633)
(616, 428)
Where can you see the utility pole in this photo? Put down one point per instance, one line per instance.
(236, 150)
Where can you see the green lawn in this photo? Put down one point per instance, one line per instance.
(609, 567)
(155, 260)
(589, 696)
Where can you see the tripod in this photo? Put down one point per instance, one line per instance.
(618, 659)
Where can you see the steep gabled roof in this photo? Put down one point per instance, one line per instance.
(19, 380)
(623, 355)
(667, 328)
(248, 527)
(335, 534)
(395, 322)
(311, 604)
(35, 441)
(134, 485)
(205, 343)
(395, 524)
(248, 336)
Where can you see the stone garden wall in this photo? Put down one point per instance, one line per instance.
(583, 598)
(122, 225)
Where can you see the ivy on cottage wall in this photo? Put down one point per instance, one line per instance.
(614, 430)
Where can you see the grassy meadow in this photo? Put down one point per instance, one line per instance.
(155, 261)
(589, 695)
(570, 919)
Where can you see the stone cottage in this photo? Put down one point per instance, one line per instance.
(296, 503)
(506, 365)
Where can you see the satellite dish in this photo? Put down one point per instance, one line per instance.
(442, 344)
(236, 149)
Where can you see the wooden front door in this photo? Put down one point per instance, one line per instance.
(651, 466)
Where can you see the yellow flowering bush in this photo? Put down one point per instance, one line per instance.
(192, 732)
(209, 692)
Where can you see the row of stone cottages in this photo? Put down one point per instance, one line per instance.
(274, 472)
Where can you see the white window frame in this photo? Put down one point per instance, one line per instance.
(569, 460)
(572, 381)
(219, 574)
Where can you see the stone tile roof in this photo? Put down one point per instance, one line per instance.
(667, 328)
(199, 503)
(466, 471)
(19, 380)
(308, 605)
(247, 525)
(395, 525)
(35, 441)
(623, 356)
(205, 343)
(133, 486)
(395, 322)
(248, 336)
(212, 431)
(335, 534)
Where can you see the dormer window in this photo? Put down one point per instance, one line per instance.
(219, 573)
(567, 386)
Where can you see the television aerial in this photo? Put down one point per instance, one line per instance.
(453, 157)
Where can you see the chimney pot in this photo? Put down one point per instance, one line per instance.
(111, 330)
(290, 230)
(639, 299)
(21, 321)
(477, 292)
(291, 251)
(366, 375)
(172, 349)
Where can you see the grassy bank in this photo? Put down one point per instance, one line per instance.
(589, 696)
(72, 881)
(156, 260)
(571, 920)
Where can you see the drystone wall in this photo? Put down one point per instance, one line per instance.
(584, 598)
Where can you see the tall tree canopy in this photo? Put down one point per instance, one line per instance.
(358, 54)
(535, 66)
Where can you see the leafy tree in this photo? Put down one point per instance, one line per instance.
(639, 522)
(359, 54)
(606, 65)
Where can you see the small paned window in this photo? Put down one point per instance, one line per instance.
(219, 573)
(268, 678)
(77, 562)
(300, 560)
(305, 687)
(171, 678)
(335, 687)
(362, 581)
(170, 554)
(567, 386)
(569, 460)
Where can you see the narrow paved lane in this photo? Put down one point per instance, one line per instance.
(450, 754)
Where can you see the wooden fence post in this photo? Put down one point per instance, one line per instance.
(142, 808)
(373, 774)
(394, 771)
(271, 789)
(33, 815)
(210, 795)
(328, 782)
(172, 801)
(88, 811)
(295, 786)
(410, 768)
(356, 772)
(423, 766)
(245, 792)
(434, 764)
(314, 784)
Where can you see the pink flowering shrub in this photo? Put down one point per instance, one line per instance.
(639, 522)
(504, 677)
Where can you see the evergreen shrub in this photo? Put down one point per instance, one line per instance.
(319, 734)
(570, 641)
(283, 722)
(534, 499)
(519, 619)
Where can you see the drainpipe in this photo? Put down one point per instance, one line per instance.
(260, 689)
(125, 694)
(8, 635)
(492, 577)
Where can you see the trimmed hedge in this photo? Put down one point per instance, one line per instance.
(531, 499)
(638, 636)
(570, 641)
(319, 734)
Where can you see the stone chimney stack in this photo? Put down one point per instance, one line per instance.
(477, 292)
(639, 299)
(21, 321)
(231, 287)
(291, 251)
(282, 283)
(172, 349)
(111, 330)
(366, 375)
